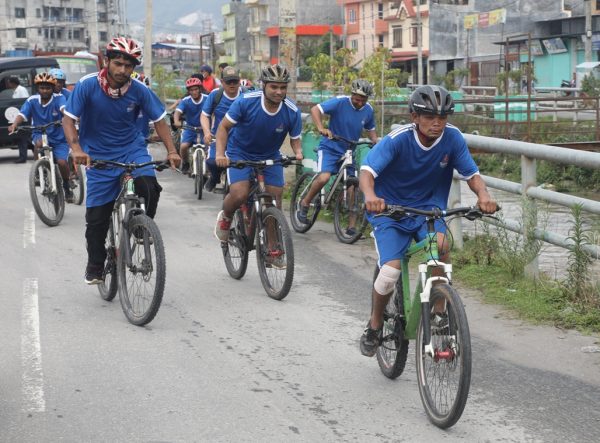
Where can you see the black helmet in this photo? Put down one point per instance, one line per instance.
(275, 73)
(362, 87)
(434, 100)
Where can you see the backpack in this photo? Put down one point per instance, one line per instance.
(219, 96)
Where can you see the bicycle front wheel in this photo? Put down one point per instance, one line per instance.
(349, 216)
(141, 283)
(275, 254)
(445, 378)
(108, 288)
(300, 190)
(393, 351)
(199, 177)
(49, 203)
(235, 251)
(77, 182)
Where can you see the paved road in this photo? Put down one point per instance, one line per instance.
(223, 362)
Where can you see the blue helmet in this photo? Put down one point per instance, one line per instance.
(58, 74)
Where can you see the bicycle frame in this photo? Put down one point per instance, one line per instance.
(46, 152)
(253, 215)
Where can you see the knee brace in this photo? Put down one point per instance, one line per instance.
(386, 280)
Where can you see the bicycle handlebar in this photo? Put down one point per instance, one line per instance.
(360, 141)
(398, 211)
(197, 129)
(159, 165)
(38, 127)
(261, 164)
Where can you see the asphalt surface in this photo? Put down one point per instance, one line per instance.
(223, 362)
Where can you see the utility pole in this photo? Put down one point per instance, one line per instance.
(287, 40)
(588, 31)
(148, 40)
(419, 45)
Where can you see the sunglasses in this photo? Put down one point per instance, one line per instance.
(231, 82)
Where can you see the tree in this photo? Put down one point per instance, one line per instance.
(385, 80)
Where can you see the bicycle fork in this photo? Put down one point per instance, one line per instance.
(427, 284)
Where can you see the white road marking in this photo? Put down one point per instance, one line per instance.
(29, 228)
(32, 383)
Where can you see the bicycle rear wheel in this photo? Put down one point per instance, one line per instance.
(275, 254)
(142, 284)
(199, 177)
(235, 251)
(445, 379)
(393, 351)
(349, 216)
(300, 190)
(108, 288)
(49, 204)
(77, 182)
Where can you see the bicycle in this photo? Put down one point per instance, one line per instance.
(443, 340)
(45, 182)
(259, 224)
(135, 261)
(197, 160)
(349, 209)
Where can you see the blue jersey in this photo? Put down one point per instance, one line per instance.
(39, 114)
(346, 121)
(107, 126)
(258, 134)
(66, 93)
(143, 124)
(191, 109)
(408, 173)
(220, 110)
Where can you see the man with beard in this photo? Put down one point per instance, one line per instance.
(262, 120)
(107, 105)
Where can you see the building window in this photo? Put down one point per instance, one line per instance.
(380, 11)
(354, 44)
(352, 16)
(19, 12)
(38, 12)
(413, 35)
(363, 16)
(397, 32)
(380, 42)
(39, 31)
(76, 34)
(21, 32)
(103, 36)
(102, 16)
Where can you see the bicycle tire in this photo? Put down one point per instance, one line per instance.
(341, 215)
(280, 257)
(50, 207)
(300, 189)
(109, 286)
(142, 231)
(393, 352)
(199, 178)
(235, 251)
(445, 408)
(79, 183)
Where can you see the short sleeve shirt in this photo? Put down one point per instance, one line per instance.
(346, 121)
(191, 109)
(258, 134)
(219, 110)
(38, 114)
(108, 125)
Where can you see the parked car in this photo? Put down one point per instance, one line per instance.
(25, 69)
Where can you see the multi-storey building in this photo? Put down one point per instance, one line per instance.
(59, 25)
(314, 18)
(236, 44)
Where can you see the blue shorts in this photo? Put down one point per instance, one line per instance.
(273, 174)
(393, 238)
(188, 136)
(61, 150)
(212, 150)
(328, 161)
(103, 185)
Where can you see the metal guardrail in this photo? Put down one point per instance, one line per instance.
(530, 152)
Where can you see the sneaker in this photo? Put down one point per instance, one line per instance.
(222, 227)
(185, 168)
(275, 258)
(351, 232)
(302, 214)
(370, 340)
(69, 197)
(94, 274)
(209, 186)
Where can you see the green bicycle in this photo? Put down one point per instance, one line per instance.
(443, 340)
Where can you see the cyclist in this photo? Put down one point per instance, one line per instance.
(107, 104)
(143, 122)
(262, 120)
(348, 116)
(43, 108)
(209, 82)
(216, 106)
(191, 108)
(61, 81)
(413, 166)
